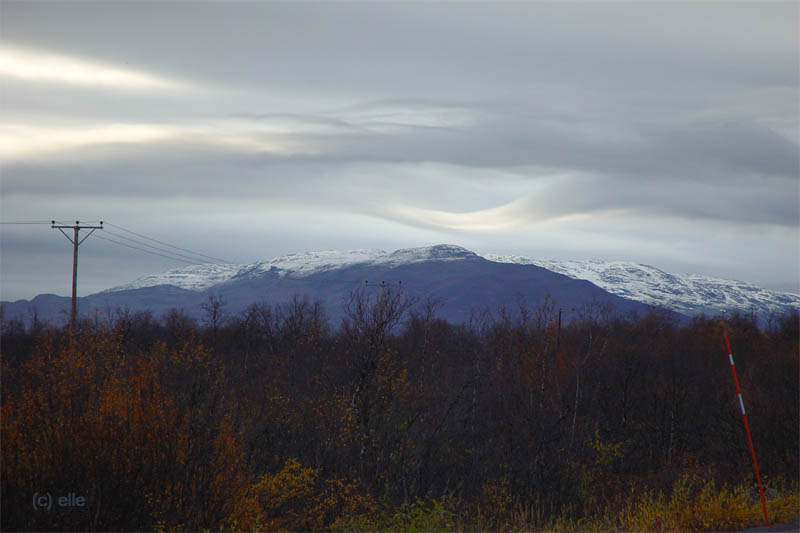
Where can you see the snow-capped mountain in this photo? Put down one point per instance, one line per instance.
(201, 277)
(686, 293)
(689, 294)
(462, 281)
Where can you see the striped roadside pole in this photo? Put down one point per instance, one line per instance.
(746, 428)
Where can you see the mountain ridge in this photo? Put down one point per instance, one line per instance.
(297, 265)
(329, 274)
(464, 284)
(686, 293)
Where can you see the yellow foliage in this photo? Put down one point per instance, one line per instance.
(294, 499)
(606, 453)
(693, 505)
(495, 506)
(497, 497)
(705, 507)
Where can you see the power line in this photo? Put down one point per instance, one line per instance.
(199, 257)
(168, 254)
(154, 247)
(365, 283)
(167, 244)
(147, 251)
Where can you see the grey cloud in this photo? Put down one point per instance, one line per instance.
(770, 203)
(626, 198)
(656, 161)
(736, 146)
(577, 108)
(704, 150)
(453, 48)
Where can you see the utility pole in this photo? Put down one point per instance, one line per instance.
(76, 241)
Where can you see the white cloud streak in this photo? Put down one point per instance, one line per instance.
(48, 67)
(484, 220)
(23, 142)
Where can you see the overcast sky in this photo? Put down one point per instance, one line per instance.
(662, 133)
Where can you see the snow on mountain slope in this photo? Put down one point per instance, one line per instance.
(193, 278)
(201, 277)
(305, 264)
(685, 293)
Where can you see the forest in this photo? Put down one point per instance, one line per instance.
(394, 419)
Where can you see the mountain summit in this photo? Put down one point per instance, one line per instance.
(201, 277)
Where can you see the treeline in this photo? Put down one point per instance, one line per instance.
(274, 419)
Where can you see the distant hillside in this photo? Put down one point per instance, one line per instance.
(689, 294)
(462, 282)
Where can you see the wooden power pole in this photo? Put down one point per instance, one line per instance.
(76, 241)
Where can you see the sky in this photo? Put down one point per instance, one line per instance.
(662, 133)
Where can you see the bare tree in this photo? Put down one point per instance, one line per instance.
(215, 315)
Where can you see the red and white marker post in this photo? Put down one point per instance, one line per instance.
(746, 428)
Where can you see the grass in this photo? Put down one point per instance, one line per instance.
(692, 505)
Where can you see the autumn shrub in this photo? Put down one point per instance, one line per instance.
(419, 516)
(166, 453)
(47, 431)
(422, 516)
(146, 443)
(296, 499)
